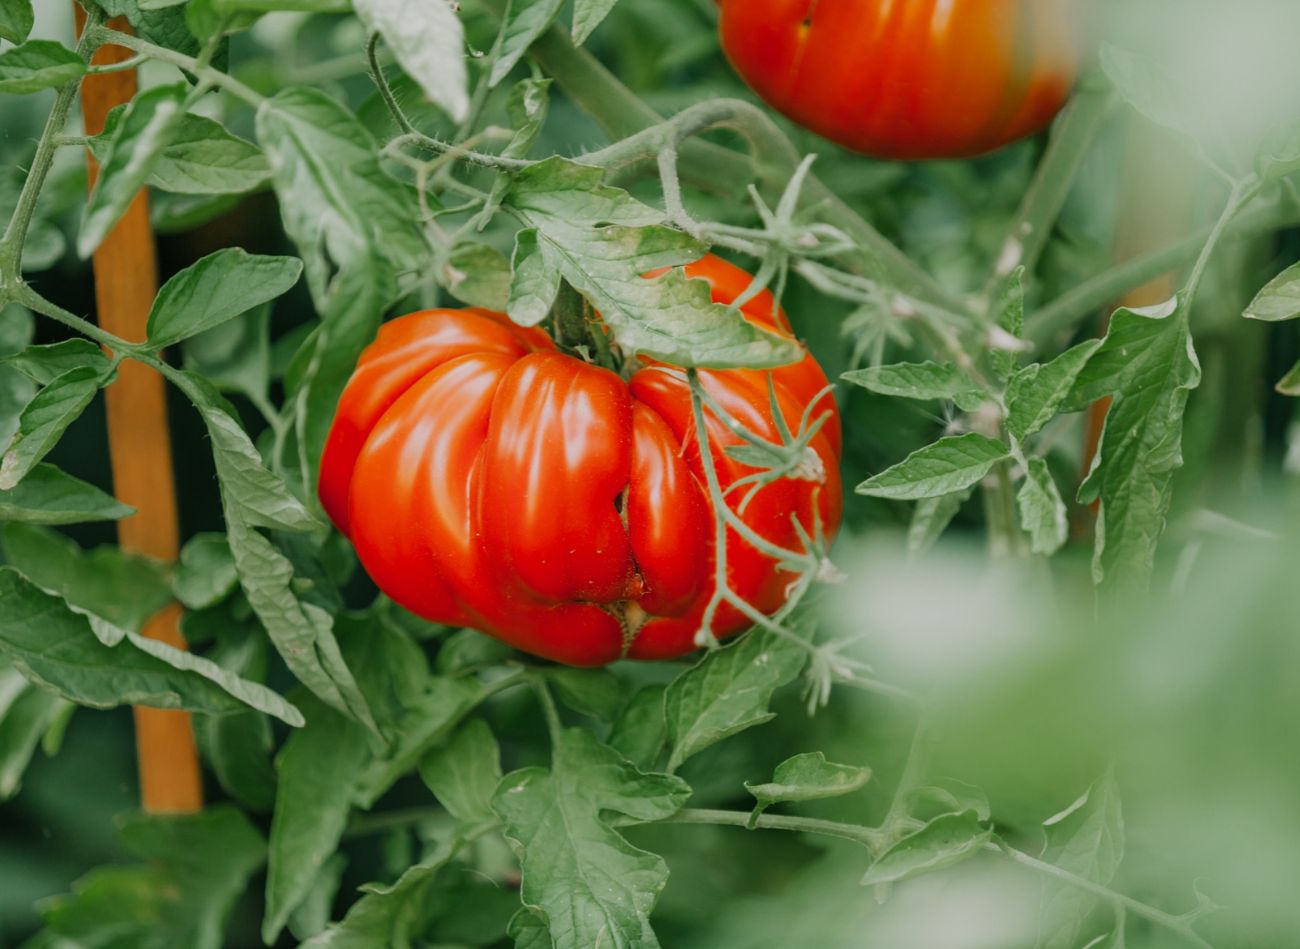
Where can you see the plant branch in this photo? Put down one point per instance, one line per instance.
(190, 64)
(15, 234)
(868, 837)
(1165, 920)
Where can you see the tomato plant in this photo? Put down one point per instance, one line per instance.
(379, 380)
(909, 80)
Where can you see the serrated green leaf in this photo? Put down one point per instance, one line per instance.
(44, 364)
(1042, 511)
(942, 842)
(429, 43)
(16, 20)
(1036, 393)
(582, 875)
(385, 915)
(1279, 300)
(728, 691)
(1086, 840)
(45, 419)
(318, 770)
(217, 288)
(205, 574)
(953, 463)
(54, 646)
(602, 242)
(807, 777)
(145, 130)
(640, 731)
(200, 158)
(920, 380)
(1148, 366)
(50, 496)
(525, 22)
(464, 773)
(37, 65)
(197, 867)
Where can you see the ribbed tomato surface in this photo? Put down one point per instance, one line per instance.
(488, 480)
(908, 79)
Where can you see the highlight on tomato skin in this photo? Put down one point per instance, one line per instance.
(487, 479)
(909, 79)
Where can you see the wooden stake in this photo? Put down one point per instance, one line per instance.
(126, 281)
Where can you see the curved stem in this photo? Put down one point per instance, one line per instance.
(1165, 920)
(15, 234)
(191, 65)
(869, 837)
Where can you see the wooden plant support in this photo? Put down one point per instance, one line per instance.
(126, 281)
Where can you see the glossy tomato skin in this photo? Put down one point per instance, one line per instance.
(488, 480)
(908, 79)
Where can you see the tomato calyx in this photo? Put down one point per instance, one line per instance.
(578, 331)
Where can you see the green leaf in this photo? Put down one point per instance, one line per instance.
(312, 915)
(200, 158)
(54, 646)
(429, 43)
(16, 20)
(597, 693)
(588, 882)
(26, 713)
(1147, 89)
(251, 494)
(45, 419)
(338, 205)
(478, 275)
(145, 130)
(1280, 300)
(921, 380)
(1147, 364)
(427, 722)
(166, 27)
(942, 842)
(44, 364)
(1036, 393)
(197, 866)
(318, 771)
(38, 64)
(527, 107)
(1042, 511)
(525, 22)
(50, 496)
(953, 463)
(602, 241)
(947, 797)
(215, 289)
(728, 691)
(640, 732)
(1011, 324)
(1087, 839)
(385, 915)
(587, 15)
(1290, 383)
(806, 777)
(464, 773)
(206, 573)
(931, 517)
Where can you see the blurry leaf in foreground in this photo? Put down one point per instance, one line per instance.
(1280, 300)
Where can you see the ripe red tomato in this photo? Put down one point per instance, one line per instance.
(488, 480)
(908, 78)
